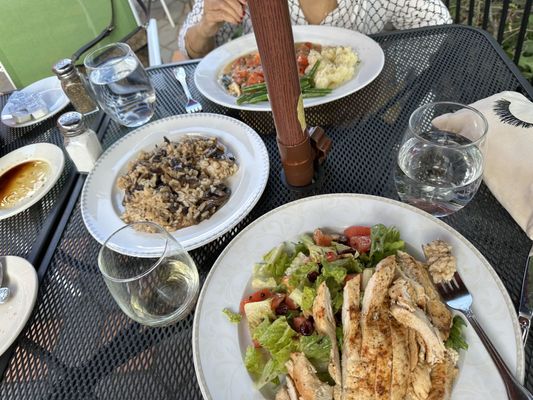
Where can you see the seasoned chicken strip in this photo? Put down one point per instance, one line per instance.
(382, 386)
(291, 389)
(325, 325)
(441, 262)
(352, 365)
(413, 349)
(418, 321)
(377, 287)
(442, 377)
(307, 384)
(420, 384)
(437, 311)
(400, 361)
(282, 394)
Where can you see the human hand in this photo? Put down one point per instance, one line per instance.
(216, 12)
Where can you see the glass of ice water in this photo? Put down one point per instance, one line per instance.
(154, 290)
(440, 158)
(121, 85)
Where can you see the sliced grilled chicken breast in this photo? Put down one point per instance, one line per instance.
(382, 386)
(291, 389)
(377, 287)
(418, 321)
(325, 325)
(282, 394)
(438, 313)
(307, 384)
(441, 262)
(352, 364)
(442, 377)
(400, 361)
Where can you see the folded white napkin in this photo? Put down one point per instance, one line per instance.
(509, 151)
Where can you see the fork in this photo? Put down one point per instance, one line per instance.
(456, 295)
(192, 105)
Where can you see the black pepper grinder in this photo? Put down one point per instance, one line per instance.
(74, 86)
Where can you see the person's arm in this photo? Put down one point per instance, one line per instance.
(197, 36)
(408, 14)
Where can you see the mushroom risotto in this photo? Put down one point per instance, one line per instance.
(177, 184)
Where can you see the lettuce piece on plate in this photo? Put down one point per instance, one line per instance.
(385, 242)
(258, 311)
(316, 348)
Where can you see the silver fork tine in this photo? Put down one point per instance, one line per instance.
(456, 295)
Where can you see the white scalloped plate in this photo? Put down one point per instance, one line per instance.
(47, 152)
(101, 200)
(21, 279)
(219, 346)
(371, 57)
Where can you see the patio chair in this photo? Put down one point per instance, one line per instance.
(34, 34)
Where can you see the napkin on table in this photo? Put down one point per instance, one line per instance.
(509, 151)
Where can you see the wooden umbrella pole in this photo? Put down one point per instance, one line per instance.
(272, 27)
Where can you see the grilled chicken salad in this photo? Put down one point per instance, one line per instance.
(352, 316)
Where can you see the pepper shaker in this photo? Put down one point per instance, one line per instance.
(74, 86)
(81, 143)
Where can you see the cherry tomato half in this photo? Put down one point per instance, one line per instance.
(321, 238)
(357, 230)
(360, 243)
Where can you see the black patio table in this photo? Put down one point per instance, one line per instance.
(78, 344)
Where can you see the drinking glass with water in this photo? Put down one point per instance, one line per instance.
(153, 290)
(121, 85)
(440, 159)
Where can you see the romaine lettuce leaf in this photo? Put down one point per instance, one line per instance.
(278, 339)
(335, 271)
(258, 311)
(299, 276)
(274, 264)
(308, 297)
(316, 348)
(234, 318)
(385, 242)
(255, 361)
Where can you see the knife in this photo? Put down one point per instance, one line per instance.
(525, 312)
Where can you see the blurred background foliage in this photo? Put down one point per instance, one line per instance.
(511, 32)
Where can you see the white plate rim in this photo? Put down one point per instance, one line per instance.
(263, 164)
(20, 262)
(520, 361)
(64, 102)
(229, 101)
(55, 173)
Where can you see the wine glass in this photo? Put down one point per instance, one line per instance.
(441, 157)
(153, 290)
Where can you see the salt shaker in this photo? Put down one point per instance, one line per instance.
(81, 143)
(74, 86)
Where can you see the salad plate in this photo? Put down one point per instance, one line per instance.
(51, 93)
(219, 346)
(101, 199)
(208, 72)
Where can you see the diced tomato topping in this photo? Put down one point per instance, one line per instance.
(357, 231)
(255, 77)
(277, 299)
(331, 256)
(260, 295)
(253, 60)
(290, 303)
(302, 62)
(257, 345)
(349, 277)
(360, 243)
(321, 239)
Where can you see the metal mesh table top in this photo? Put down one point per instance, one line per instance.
(79, 345)
(19, 233)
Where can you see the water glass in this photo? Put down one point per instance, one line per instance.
(440, 158)
(154, 290)
(121, 85)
